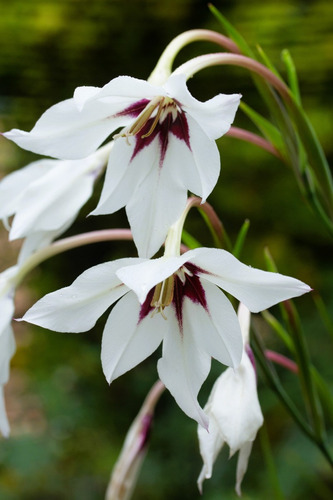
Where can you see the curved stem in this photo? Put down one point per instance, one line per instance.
(247, 136)
(67, 244)
(163, 68)
(201, 62)
(279, 359)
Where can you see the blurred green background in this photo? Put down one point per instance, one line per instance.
(67, 423)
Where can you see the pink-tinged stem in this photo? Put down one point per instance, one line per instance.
(69, 243)
(201, 62)
(195, 201)
(163, 68)
(208, 36)
(126, 470)
(247, 136)
(281, 360)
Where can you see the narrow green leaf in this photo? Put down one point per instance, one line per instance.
(189, 240)
(279, 330)
(267, 61)
(270, 132)
(276, 489)
(238, 246)
(292, 75)
(232, 32)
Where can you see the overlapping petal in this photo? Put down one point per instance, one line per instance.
(126, 344)
(257, 289)
(67, 133)
(51, 200)
(183, 368)
(222, 339)
(77, 307)
(13, 185)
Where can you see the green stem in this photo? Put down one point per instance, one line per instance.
(271, 468)
(276, 386)
(304, 364)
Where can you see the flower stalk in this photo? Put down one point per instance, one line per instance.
(126, 470)
(69, 243)
(163, 69)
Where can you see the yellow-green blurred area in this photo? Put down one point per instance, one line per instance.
(67, 423)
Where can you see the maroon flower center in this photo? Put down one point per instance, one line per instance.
(172, 292)
(156, 118)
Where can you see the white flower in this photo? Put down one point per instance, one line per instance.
(166, 148)
(46, 196)
(7, 341)
(234, 413)
(196, 320)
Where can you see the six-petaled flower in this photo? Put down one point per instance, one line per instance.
(177, 300)
(166, 148)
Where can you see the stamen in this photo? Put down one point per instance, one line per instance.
(163, 295)
(155, 122)
(142, 119)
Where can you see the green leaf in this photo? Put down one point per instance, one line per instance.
(238, 246)
(270, 132)
(232, 32)
(268, 62)
(292, 75)
(189, 240)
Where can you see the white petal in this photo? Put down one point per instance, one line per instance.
(4, 424)
(217, 330)
(257, 289)
(183, 368)
(144, 276)
(206, 158)
(126, 87)
(7, 350)
(235, 405)
(156, 204)
(65, 132)
(7, 311)
(244, 318)
(39, 240)
(77, 307)
(123, 175)
(14, 185)
(210, 444)
(196, 169)
(126, 343)
(242, 462)
(49, 202)
(215, 115)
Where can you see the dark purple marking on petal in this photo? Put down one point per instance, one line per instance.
(134, 109)
(142, 142)
(191, 288)
(146, 308)
(178, 127)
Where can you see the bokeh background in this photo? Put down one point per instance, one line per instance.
(67, 423)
